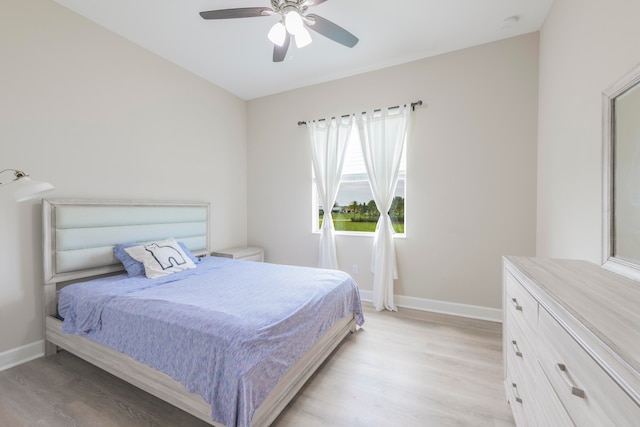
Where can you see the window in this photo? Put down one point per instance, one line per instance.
(354, 210)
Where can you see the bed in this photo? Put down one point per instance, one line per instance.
(123, 325)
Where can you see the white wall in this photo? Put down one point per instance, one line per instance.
(584, 48)
(99, 117)
(471, 170)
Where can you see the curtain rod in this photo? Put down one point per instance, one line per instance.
(413, 108)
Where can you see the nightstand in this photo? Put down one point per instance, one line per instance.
(242, 252)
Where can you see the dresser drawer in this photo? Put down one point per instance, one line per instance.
(553, 413)
(515, 385)
(520, 349)
(522, 386)
(539, 404)
(516, 402)
(521, 307)
(589, 395)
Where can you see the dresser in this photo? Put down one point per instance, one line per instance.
(242, 252)
(571, 343)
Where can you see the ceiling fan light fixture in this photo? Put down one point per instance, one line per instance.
(293, 22)
(303, 38)
(277, 34)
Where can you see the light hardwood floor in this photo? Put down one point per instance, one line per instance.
(401, 369)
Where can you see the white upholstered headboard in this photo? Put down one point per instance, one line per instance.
(79, 235)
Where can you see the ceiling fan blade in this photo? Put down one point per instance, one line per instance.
(280, 52)
(331, 30)
(243, 12)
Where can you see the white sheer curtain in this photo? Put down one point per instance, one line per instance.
(383, 135)
(328, 145)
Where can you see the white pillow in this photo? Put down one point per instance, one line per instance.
(161, 258)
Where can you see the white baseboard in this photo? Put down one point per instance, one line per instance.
(443, 307)
(19, 355)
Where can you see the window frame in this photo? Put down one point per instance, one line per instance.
(315, 208)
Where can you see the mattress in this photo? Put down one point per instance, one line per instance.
(227, 330)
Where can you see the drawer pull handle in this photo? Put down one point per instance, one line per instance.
(516, 394)
(565, 376)
(515, 303)
(516, 350)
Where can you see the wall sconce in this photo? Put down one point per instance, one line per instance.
(24, 187)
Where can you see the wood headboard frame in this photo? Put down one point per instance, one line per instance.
(79, 235)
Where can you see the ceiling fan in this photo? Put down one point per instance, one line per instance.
(293, 21)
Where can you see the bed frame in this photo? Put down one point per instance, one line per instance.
(79, 236)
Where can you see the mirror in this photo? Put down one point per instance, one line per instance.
(621, 183)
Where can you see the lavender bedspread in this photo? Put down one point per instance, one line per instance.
(227, 330)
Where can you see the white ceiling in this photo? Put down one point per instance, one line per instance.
(235, 54)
